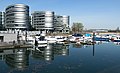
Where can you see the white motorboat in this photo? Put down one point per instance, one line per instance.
(116, 38)
(76, 39)
(41, 41)
(60, 39)
(31, 40)
(51, 39)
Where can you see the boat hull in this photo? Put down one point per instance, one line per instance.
(116, 40)
(101, 39)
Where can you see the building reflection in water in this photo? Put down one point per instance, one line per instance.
(3, 53)
(44, 53)
(47, 53)
(18, 59)
(77, 45)
(85, 46)
(60, 49)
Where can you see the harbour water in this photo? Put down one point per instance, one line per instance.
(103, 57)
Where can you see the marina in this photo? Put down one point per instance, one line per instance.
(28, 39)
(59, 36)
(41, 53)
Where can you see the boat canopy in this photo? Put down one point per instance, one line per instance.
(77, 35)
(88, 35)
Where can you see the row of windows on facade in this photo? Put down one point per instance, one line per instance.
(39, 13)
(34, 17)
(13, 7)
(15, 22)
(15, 14)
(39, 24)
(44, 24)
(17, 18)
(38, 19)
(35, 23)
(40, 27)
(38, 16)
(14, 10)
(9, 25)
(34, 20)
(10, 20)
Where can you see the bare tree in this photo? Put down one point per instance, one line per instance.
(77, 27)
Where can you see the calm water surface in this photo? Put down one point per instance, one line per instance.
(72, 58)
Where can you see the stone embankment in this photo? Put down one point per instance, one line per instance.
(5, 45)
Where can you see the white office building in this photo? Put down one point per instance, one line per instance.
(43, 20)
(2, 20)
(61, 23)
(17, 17)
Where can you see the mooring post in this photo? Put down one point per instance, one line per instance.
(93, 49)
(25, 36)
(93, 37)
(18, 37)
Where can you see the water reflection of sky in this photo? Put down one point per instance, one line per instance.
(97, 58)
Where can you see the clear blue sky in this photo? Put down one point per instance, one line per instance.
(92, 13)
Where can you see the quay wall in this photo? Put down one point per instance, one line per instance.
(20, 32)
(8, 37)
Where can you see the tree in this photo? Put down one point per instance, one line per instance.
(77, 27)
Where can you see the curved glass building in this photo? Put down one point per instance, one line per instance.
(61, 23)
(65, 20)
(43, 20)
(2, 20)
(17, 17)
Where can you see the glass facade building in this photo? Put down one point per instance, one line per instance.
(17, 17)
(2, 20)
(61, 23)
(43, 20)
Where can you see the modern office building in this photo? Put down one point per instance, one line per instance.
(58, 23)
(2, 20)
(66, 20)
(61, 23)
(17, 17)
(30, 22)
(43, 20)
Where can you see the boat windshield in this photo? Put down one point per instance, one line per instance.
(42, 38)
(77, 35)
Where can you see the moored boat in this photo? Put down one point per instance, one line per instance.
(101, 38)
(51, 39)
(116, 39)
(41, 41)
(75, 38)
